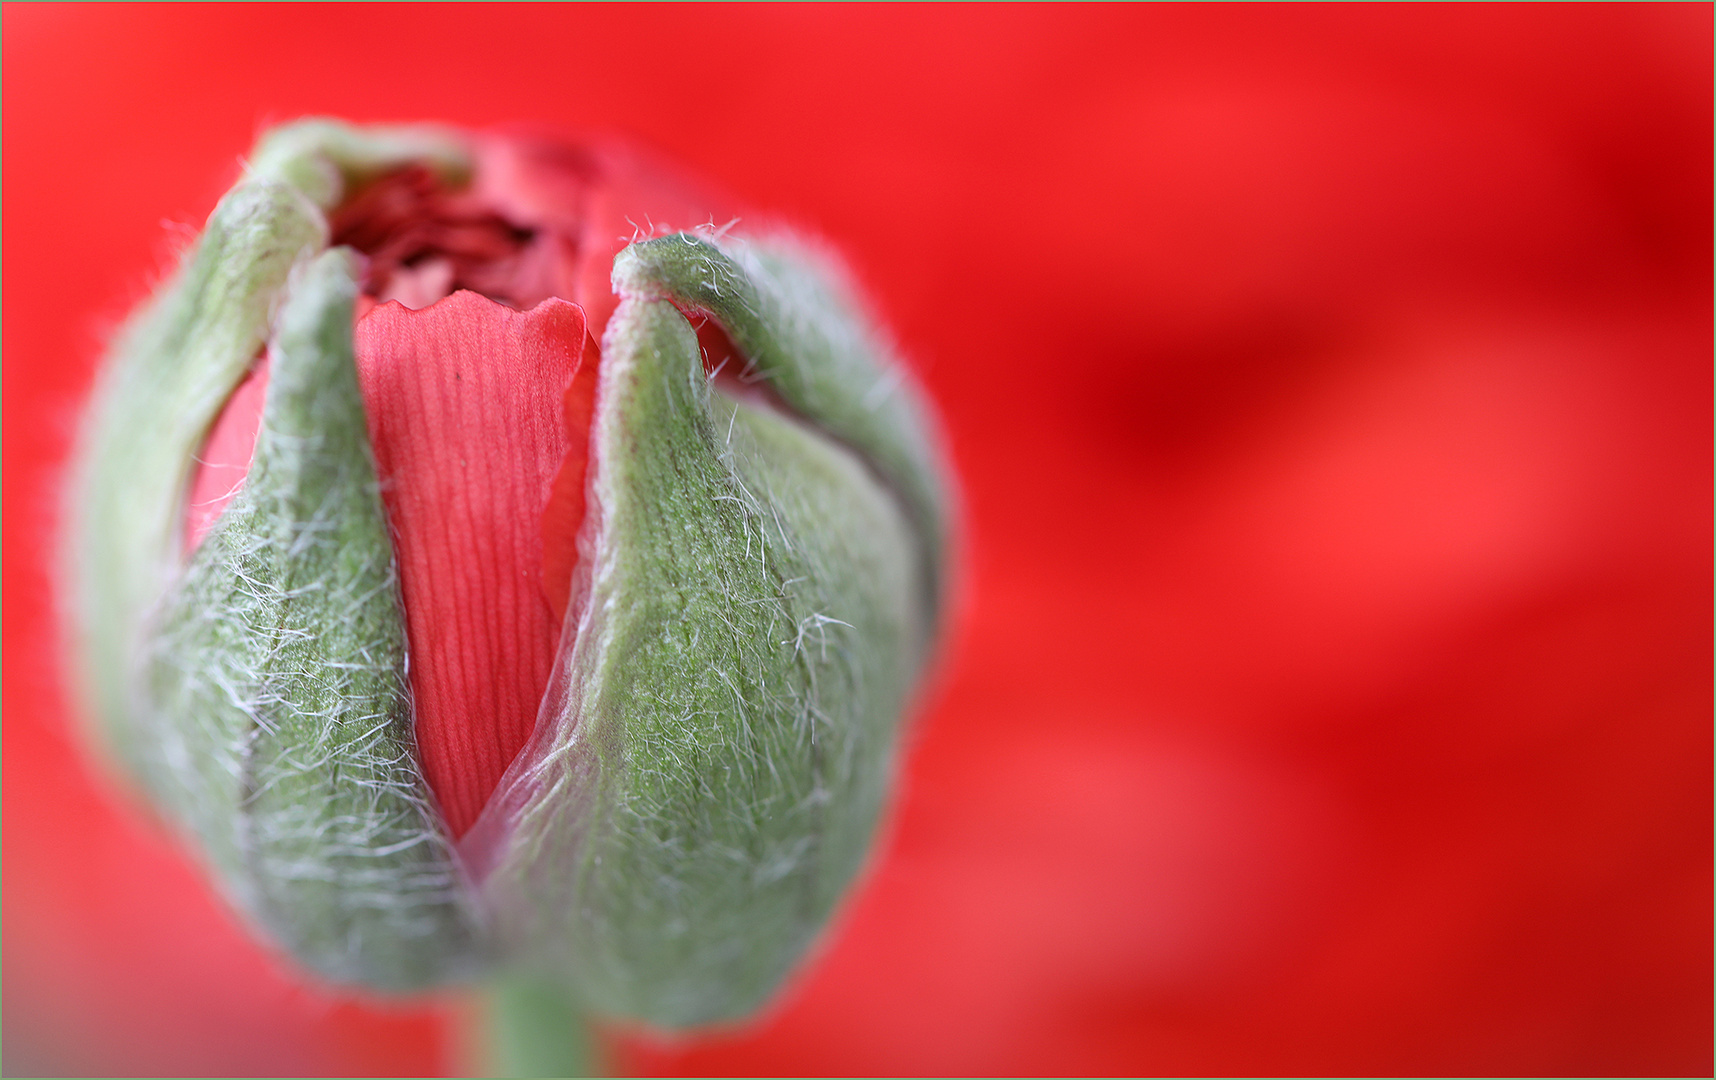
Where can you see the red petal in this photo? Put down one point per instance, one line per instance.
(466, 402)
(224, 460)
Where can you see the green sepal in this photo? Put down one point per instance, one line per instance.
(168, 375)
(279, 670)
(724, 730)
(318, 826)
(803, 336)
(326, 159)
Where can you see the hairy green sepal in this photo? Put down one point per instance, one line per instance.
(800, 331)
(728, 718)
(281, 657)
(258, 693)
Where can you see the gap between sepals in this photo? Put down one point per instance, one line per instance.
(526, 226)
(571, 527)
(481, 452)
(224, 460)
(464, 776)
(467, 406)
(730, 371)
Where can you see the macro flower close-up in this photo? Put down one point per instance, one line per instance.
(491, 623)
(840, 540)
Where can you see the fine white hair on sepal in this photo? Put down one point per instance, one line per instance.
(712, 756)
(278, 688)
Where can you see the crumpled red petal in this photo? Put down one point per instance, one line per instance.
(466, 407)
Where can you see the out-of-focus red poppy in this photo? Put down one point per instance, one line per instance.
(1331, 389)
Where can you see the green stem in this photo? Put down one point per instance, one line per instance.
(536, 1029)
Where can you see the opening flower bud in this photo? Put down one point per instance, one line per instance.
(496, 566)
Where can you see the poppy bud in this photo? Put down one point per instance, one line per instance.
(488, 593)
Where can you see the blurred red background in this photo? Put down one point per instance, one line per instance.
(1331, 390)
